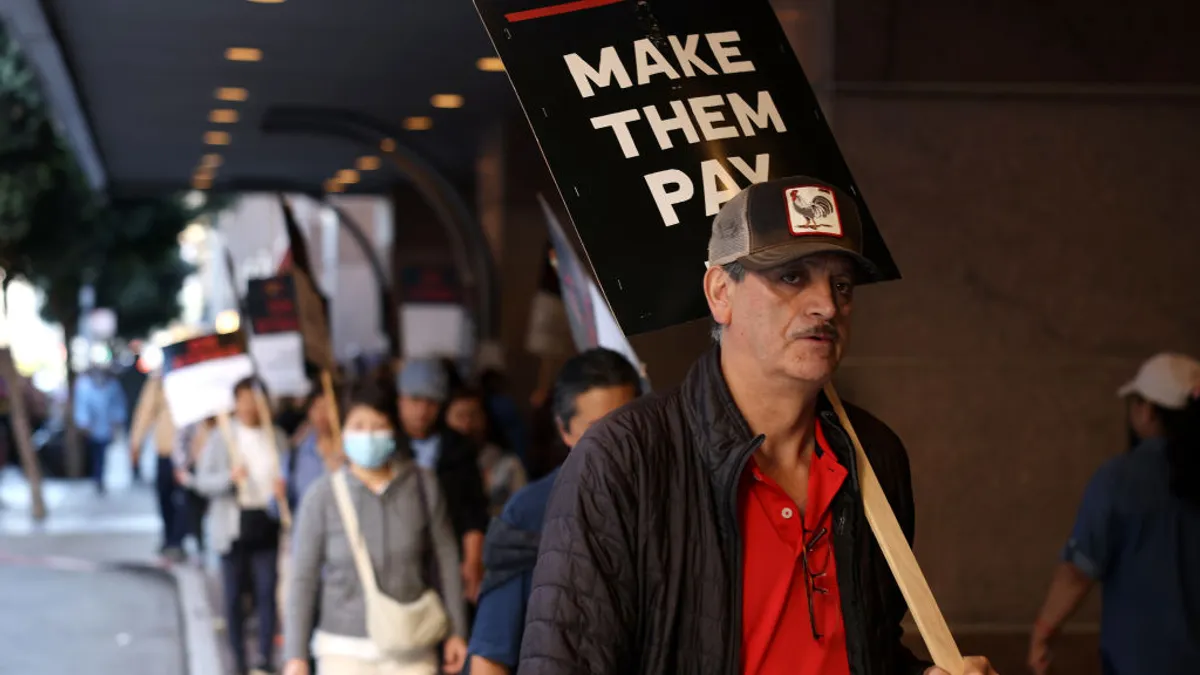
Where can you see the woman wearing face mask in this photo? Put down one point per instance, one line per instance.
(374, 540)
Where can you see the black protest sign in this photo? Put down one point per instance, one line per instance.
(271, 305)
(429, 284)
(202, 349)
(278, 345)
(199, 375)
(652, 114)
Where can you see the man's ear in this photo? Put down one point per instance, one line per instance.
(562, 432)
(718, 290)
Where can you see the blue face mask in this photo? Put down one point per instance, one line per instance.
(369, 449)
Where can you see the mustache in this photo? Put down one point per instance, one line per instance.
(827, 331)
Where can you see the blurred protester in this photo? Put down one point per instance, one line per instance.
(503, 408)
(589, 386)
(315, 455)
(241, 482)
(152, 421)
(100, 411)
(502, 471)
(290, 415)
(367, 538)
(546, 452)
(454, 378)
(423, 391)
(1137, 534)
(190, 442)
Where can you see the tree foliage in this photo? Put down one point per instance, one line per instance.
(59, 234)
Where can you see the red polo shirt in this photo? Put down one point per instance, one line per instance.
(777, 636)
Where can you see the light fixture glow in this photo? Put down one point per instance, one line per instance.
(232, 94)
(217, 137)
(446, 101)
(268, 2)
(228, 321)
(199, 183)
(347, 177)
(243, 54)
(490, 64)
(418, 123)
(203, 173)
(368, 163)
(387, 145)
(211, 161)
(332, 185)
(223, 116)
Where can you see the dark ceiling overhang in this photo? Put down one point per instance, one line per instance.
(132, 82)
(135, 84)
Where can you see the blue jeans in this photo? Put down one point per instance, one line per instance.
(259, 569)
(97, 450)
(172, 505)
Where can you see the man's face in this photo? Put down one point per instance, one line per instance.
(591, 406)
(792, 320)
(1142, 418)
(465, 415)
(418, 416)
(246, 408)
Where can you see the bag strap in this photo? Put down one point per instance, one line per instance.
(362, 559)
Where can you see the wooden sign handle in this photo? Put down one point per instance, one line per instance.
(268, 426)
(334, 420)
(235, 457)
(899, 555)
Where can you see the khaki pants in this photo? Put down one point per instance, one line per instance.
(285, 572)
(348, 665)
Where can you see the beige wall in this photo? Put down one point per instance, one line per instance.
(1045, 246)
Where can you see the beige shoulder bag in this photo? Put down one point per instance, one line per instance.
(398, 629)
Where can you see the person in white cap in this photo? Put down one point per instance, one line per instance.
(1138, 535)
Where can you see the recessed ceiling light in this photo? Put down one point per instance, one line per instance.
(217, 137)
(490, 64)
(243, 54)
(232, 94)
(332, 185)
(212, 160)
(368, 163)
(199, 183)
(418, 123)
(347, 177)
(446, 101)
(203, 173)
(223, 116)
(387, 145)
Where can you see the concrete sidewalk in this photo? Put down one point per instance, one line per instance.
(85, 592)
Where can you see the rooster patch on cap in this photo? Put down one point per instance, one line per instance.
(812, 210)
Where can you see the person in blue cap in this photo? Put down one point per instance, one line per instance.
(423, 390)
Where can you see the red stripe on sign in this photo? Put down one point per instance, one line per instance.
(561, 8)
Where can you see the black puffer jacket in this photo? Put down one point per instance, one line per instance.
(639, 570)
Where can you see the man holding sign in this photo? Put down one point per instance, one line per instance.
(720, 528)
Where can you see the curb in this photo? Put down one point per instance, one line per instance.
(201, 649)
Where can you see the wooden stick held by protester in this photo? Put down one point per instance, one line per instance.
(899, 555)
(268, 425)
(335, 422)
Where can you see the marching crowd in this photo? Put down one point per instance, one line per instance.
(714, 528)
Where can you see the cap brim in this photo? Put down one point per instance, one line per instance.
(1127, 389)
(790, 252)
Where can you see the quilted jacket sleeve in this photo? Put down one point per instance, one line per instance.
(581, 616)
